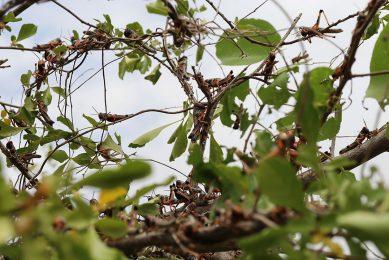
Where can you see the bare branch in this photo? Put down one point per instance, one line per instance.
(368, 150)
(219, 238)
(15, 161)
(343, 71)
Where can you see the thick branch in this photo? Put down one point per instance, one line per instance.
(202, 240)
(18, 5)
(365, 152)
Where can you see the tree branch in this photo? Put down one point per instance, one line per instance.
(343, 71)
(219, 238)
(15, 161)
(19, 5)
(365, 152)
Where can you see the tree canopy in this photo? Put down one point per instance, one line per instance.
(71, 186)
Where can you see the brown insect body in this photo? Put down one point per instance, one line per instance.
(50, 45)
(315, 30)
(111, 117)
(182, 64)
(217, 83)
(300, 57)
(238, 118)
(198, 126)
(104, 152)
(362, 135)
(180, 26)
(42, 108)
(269, 66)
(40, 73)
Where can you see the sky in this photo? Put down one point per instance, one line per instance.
(133, 93)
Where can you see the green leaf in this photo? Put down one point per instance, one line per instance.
(195, 154)
(147, 137)
(109, 143)
(229, 105)
(58, 90)
(357, 248)
(7, 197)
(91, 120)
(286, 122)
(60, 156)
(263, 143)
(122, 68)
(27, 30)
(158, 7)
(338, 163)
(149, 208)
(46, 98)
(321, 84)
(112, 227)
(108, 27)
(276, 93)
(88, 144)
(83, 159)
(379, 85)
(76, 35)
(373, 27)
(277, 180)
(264, 244)
(229, 179)
(307, 156)
(180, 144)
(199, 53)
(128, 64)
(173, 137)
(24, 116)
(66, 121)
(60, 170)
(120, 176)
(366, 225)
(228, 52)
(25, 78)
(54, 135)
(136, 27)
(97, 249)
(215, 151)
(182, 7)
(8, 131)
(154, 74)
(331, 127)
(60, 50)
(29, 104)
(306, 114)
(144, 64)
(10, 18)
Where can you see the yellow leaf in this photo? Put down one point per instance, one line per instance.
(7, 121)
(108, 196)
(3, 113)
(334, 247)
(321, 236)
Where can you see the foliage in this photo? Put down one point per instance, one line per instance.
(278, 195)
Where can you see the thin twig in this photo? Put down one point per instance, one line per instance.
(371, 74)
(73, 14)
(9, 105)
(252, 128)
(102, 126)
